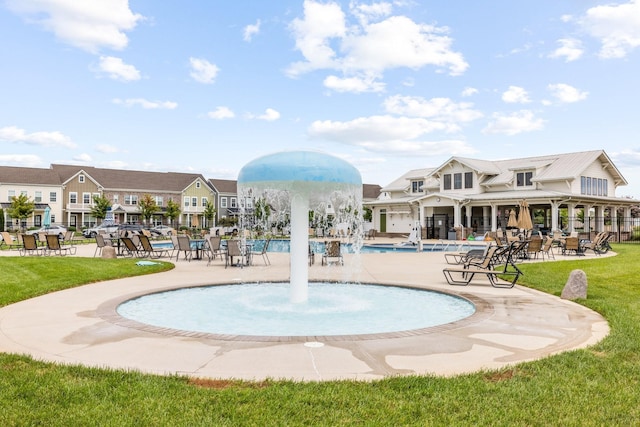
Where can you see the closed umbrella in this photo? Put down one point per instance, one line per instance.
(47, 217)
(524, 217)
(513, 221)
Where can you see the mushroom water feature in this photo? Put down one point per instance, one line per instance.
(308, 180)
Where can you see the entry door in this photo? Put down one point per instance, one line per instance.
(383, 220)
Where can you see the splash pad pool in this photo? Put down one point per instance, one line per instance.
(299, 183)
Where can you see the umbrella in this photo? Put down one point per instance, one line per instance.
(524, 218)
(513, 221)
(47, 217)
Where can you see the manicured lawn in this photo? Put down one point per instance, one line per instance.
(596, 386)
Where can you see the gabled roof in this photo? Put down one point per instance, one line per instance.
(554, 167)
(115, 179)
(224, 185)
(404, 181)
(28, 176)
(370, 191)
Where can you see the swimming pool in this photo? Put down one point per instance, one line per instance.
(282, 246)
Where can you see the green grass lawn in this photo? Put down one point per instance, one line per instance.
(598, 386)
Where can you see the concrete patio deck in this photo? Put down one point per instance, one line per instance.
(80, 326)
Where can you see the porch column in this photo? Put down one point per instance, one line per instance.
(494, 217)
(457, 214)
(571, 213)
(468, 212)
(614, 218)
(555, 213)
(599, 219)
(626, 220)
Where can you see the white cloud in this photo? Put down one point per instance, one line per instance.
(354, 84)
(116, 69)
(203, 71)
(42, 139)
(514, 123)
(374, 11)
(617, 26)
(516, 95)
(441, 110)
(570, 50)
(321, 23)
(147, 105)
(24, 160)
(221, 113)
(390, 135)
(327, 40)
(107, 149)
(469, 91)
(83, 158)
(88, 25)
(251, 30)
(566, 94)
(269, 115)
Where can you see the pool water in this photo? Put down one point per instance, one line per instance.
(263, 309)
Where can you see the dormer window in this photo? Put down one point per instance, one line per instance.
(416, 186)
(523, 179)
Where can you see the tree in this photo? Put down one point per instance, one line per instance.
(100, 207)
(209, 212)
(173, 211)
(147, 207)
(2, 219)
(21, 207)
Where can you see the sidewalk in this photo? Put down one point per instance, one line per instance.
(80, 326)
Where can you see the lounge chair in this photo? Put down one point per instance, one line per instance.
(487, 266)
(9, 241)
(55, 248)
(234, 250)
(262, 252)
(30, 246)
(131, 249)
(332, 252)
(149, 250)
(458, 258)
(595, 244)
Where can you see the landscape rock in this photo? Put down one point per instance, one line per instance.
(109, 252)
(576, 286)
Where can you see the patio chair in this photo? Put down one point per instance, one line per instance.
(213, 244)
(149, 250)
(547, 248)
(184, 245)
(262, 252)
(101, 242)
(30, 246)
(533, 248)
(332, 252)
(54, 246)
(234, 249)
(571, 244)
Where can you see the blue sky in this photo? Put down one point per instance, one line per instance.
(207, 86)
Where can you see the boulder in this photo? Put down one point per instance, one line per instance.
(109, 252)
(576, 286)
